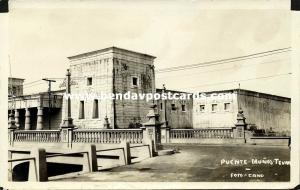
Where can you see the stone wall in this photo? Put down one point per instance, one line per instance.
(177, 116)
(266, 111)
(219, 117)
(126, 67)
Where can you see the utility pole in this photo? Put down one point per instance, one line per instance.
(239, 93)
(49, 99)
(164, 102)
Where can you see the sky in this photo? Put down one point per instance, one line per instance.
(178, 33)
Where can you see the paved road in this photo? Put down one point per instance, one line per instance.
(201, 163)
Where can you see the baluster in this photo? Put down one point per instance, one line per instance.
(90, 136)
(116, 137)
(111, 137)
(104, 137)
(119, 137)
(101, 136)
(134, 137)
(87, 136)
(94, 136)
(77, 136)
(83, 136)
(97, 137)
(131, 137)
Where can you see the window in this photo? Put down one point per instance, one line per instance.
(89, 81)
(95, 109)
(81, 110)
(214, 107)
(202, 108)
(134, 81)
(14, 90)
(161, 106)
(173, 107)
(227, 106)
(183, 107)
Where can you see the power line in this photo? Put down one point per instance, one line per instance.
(31, 82)
(215, 70)
(33, 85)
(235, 81)
(193, 66)
(223, 61)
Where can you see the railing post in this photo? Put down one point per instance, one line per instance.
(38, 166)
(240, 126)
(67, 124)
(66, 135)
(10, 166)
(89, 163)
(152, 129)
(165, 134)
(11, 128)
(127, 153)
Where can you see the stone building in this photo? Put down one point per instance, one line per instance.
(177, 113)
(218, 109)
(15, 86)
(111, 70)
(33, 111)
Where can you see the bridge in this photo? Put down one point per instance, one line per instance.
(35, 153)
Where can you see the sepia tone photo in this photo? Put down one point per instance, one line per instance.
(148, 91)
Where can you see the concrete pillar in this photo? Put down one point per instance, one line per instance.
(127, 154)
(39, 123)
(38, 167)
(17, 116)
(10, 166)
(152, 131)
(106, 124)
(240, 126)
(67, 126)
(89, 163)
(165, 134)
(66, 135)
(11, 128)
(27, 119)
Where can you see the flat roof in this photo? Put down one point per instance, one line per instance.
(173, 91)
(113, 48)
(16, 78)
(251, 93)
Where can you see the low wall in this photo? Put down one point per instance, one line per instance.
(270, 141)
(207, 141)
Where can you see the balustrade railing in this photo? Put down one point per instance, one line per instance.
(217, 133)
(115, 136)
(37, 135)
(134, 136)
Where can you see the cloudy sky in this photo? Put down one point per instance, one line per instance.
(178, 33)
